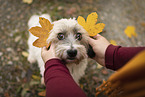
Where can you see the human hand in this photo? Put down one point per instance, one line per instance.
(48, 54)
(99, 45)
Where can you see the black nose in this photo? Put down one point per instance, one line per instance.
(72, 53)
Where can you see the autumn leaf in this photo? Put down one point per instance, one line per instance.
(90, 24)
(25, 54)
(99, 66)
(43, 93)
(130, 31)
(36, 77)
(41, 32)
(113, 42)
(28, 1)
(81, 85)
(142, 24)
(45, 23)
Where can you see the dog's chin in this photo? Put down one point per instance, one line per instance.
(71, 60)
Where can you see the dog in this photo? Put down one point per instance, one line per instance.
(71, 45)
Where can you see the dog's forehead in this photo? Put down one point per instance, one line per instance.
(66, 24)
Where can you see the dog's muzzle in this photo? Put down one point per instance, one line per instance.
(71, 54)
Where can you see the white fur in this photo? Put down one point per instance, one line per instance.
(77, 67)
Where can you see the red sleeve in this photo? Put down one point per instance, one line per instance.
(59, 82)
(117, 56)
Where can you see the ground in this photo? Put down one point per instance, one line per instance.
(19, 78)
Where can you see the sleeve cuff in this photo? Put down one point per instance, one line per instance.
(53, 60)
(109, 56)
(54, 66)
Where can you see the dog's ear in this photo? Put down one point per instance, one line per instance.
(90, 52)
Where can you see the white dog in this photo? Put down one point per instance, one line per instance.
(71, 45)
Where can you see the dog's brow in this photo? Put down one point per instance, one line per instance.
(63, 31)
(75, 30)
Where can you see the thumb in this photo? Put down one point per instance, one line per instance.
(52, 46)
(98, 36)
(44, 49)
(91, 41)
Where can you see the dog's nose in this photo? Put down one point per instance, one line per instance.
(72, 53)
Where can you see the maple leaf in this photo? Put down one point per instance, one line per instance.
(130, 31)
(113, 42)
(90, 24)
(41, 32)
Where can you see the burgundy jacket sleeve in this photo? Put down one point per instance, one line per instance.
(59, 82)
(117, 56)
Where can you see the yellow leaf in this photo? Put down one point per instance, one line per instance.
(43, 93)
(28, 1)
(81, 85)
(130, 31)
(38, 31)
(99, 66)
(40, 42)
(81, 21)
(25, 54)
(92, 19)
(41, 32)
(113, 42)
(45, 23)
(36, 77)
(142, 24)
(99, 27)
(90, 24)
(104, 81)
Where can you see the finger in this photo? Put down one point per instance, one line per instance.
(95, 36)
(98, 36)
(52, 46)
(91, 41)
(44, 48)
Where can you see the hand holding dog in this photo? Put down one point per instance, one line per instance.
(99, 45)
(48, 54)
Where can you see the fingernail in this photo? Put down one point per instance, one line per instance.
(98, 35)
(44, 47)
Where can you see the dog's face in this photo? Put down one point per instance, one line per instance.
(70, 40)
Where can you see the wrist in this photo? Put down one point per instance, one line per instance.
(101, 61)
(54, 58)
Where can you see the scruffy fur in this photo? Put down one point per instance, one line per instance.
(69, 28)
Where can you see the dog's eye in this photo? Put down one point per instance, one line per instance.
(78, 36)
(60, 36)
